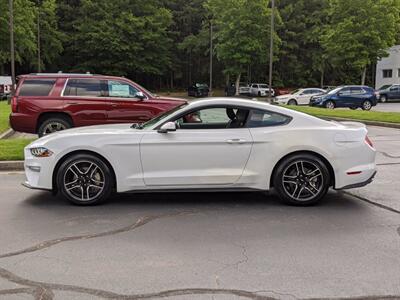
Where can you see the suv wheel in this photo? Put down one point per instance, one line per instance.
(292, 102)
(53, 124)
(259, 94)
(383, 99)
(329, 104)
(85, 179)
(367, 105)
(302, 179)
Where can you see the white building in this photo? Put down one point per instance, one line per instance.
(388, 68)
(5, 85)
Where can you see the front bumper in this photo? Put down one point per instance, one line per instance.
(27, 185)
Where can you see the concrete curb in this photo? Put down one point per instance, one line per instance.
(7, 134)
(13, 165)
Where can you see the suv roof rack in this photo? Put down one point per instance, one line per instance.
(62, 74)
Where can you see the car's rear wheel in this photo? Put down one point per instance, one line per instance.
(367, 105)
(383, 99)
(329, 104)
(85, 179)
(53, 124)
(302, 179)
(292, 102)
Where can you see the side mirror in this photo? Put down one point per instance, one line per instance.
(169, 126)
(140, 95)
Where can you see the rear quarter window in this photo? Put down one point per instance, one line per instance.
(262, 118)
(36, 87)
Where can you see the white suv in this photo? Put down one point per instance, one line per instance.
(260, 90)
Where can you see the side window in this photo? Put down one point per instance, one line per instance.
(261, 118)
(214, 118)
(121, 89)
(357, 91)
(254, 86)
(345, 92)
(84, 88)
(36, 87)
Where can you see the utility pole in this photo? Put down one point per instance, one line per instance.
(38, 39)
(211, 56)
(271, 50)
(12, 54)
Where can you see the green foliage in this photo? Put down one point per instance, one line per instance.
(359, 31)
(5, 110)
(242, 32)
(13, 149)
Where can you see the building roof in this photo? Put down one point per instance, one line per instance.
(5, 80)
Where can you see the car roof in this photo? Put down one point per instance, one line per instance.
(68, 75)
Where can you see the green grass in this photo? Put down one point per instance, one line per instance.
(388, 117)
(13, 149)
(4, 113)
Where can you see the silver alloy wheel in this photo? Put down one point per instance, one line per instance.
(330, 105)
(367, 105)
(53, 127)
(84, 180)
(383, 99)
(303, 180)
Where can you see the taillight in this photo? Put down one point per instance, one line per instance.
(14, 104)
(368, 141)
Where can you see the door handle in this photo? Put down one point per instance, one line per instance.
(236, 141)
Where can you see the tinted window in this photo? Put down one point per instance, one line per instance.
(83, 87)
(357, 90)
(345, 91)
(36, 87)
(121, 89)
(261, 118)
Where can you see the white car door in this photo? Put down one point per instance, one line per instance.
(304, 97)
(201, 152)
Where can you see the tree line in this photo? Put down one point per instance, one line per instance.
(165, 44)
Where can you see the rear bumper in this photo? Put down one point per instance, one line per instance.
(359, 184)
(23, 122)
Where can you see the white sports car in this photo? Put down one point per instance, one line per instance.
(219, 144)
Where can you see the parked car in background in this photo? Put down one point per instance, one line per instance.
(45, 103)
(283, 91)
(353, 97)
(198, 90)
(260, 90)
(389, 92)
(299, 96)
(244, 89)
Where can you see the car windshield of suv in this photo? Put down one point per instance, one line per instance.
(334, 91)
(384, 87)
(264, 86)
(158, 118)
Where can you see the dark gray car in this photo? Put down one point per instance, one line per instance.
(389, 92)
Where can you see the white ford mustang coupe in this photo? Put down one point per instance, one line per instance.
(218, 144)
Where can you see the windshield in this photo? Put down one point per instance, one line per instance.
(264, 86)
(158, 118)
(384, 87)
(334, 91)
(295, 91)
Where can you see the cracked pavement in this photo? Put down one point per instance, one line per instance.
(204, 245)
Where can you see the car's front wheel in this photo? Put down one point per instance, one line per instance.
(367, 105)
(301, 179)
(383, 99)
(85, 179)
(329, 104)
(292, 102)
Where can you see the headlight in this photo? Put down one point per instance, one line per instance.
(40, 152)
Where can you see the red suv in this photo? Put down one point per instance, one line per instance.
(45, 103)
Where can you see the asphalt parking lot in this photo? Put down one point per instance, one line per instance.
(205, 245)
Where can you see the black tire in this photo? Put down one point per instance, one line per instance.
(76, 187)
(383, 99)
(259, 94)
(330, 104)
(300, 190)
(292, 102)
(366, 105)
(57, 123)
